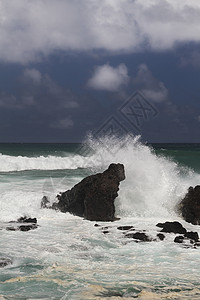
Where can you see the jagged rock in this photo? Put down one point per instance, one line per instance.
(5, 262)
(174, 227)
(190, 206)
(141, 236)
(93, 197)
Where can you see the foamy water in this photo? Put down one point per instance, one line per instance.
(67, 257)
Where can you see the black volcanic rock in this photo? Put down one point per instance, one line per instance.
(190, 206)
(93, 197)
(174, 227)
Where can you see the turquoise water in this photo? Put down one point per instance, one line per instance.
(67, 257)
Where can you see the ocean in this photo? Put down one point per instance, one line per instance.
(68, 257)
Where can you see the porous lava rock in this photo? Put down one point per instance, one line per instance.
(93, 198)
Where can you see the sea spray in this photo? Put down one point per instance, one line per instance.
(154, 184)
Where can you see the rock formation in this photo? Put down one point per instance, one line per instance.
(190, 206)
(93, 197)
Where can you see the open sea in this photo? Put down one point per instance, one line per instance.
(68, 257)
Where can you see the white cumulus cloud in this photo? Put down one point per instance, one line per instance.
(32, 29)
(109, 78)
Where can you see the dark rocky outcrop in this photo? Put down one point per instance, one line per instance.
(174, 227)
(93, 197)
(190, 206)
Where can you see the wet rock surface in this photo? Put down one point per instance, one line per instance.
(190, 205)
(93, 198)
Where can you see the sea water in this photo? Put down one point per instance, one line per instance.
(68, 257)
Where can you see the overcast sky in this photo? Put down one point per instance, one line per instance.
(69, 67)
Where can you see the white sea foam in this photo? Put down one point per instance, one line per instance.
(20, 163)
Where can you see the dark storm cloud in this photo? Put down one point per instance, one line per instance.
(31, 30)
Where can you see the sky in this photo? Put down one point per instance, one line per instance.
(69, 68)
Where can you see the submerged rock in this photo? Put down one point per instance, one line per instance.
(190, 206)
(139, 236)
(93, 197)
(124, 228)
(28, 224)
(5, 262)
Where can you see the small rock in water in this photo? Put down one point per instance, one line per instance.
(174, 227)
(125, 228)
(192, 235)
(161, 236)
(29, 223)
(27, 220)
(5, 262)
(179, 239)
(45, 202)
(139, 236)
(27, 227)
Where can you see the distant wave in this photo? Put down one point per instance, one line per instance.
(21, 163)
